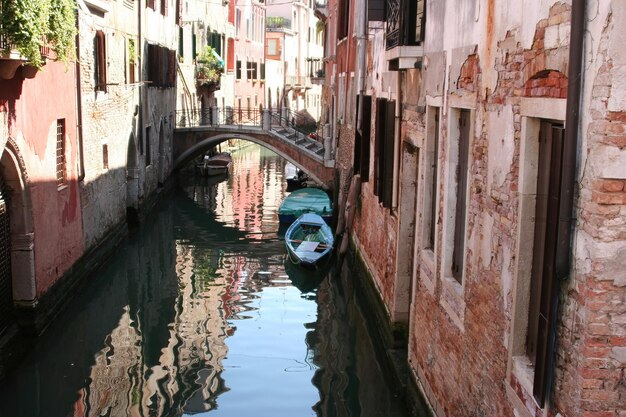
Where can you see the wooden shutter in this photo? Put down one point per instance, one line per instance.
(230, 55)
(390, 119)
(458, 253)
(544, 291)
(179, 12)
(356, 159)
(381, 108)
(366, 124)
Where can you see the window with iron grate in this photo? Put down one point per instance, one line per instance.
(61, 163)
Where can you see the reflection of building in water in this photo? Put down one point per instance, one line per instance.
(349, 373)
(256, 187)
(186, 374)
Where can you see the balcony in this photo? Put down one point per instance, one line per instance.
(315, 69)
(406, 21)
(297, 82)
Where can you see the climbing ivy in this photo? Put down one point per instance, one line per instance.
(62, 29)
(28, 25)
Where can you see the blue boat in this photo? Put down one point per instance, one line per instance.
(305, 200)
(309, 240)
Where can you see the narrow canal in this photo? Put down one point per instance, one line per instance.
(199, 313)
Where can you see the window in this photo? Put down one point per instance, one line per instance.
(131, 61)
(251, 69)
(61, 162)
(405, 22)
(262, 70)
(164, 7)
(100, 69)
(362, 136)
(343, 19)
(385, 142)
(431, 176)
(151, 4)
(147, 138)
(238, 71)
(458, 253)
(543, 276)
(237, 22)
(181, 43)
(272, 46)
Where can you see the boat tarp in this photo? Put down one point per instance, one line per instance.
(306, 200)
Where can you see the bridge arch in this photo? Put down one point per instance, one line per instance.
(202, 145)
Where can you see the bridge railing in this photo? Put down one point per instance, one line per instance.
(299, 127)
(216, 116)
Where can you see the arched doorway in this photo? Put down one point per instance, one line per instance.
(17, 255)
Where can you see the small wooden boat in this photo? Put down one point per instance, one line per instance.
(215, 165)
(309, 240)
(296, 178)
(305, 200)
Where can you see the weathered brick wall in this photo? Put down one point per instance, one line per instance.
(117, 120)
(465, 369)
(107, 120)
(591, 378)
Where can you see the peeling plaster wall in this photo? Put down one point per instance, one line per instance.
(507, 63)
(49, 230)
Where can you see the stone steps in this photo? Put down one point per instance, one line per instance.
(300, 140)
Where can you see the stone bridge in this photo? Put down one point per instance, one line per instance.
(195, 133)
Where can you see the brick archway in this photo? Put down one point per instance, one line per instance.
(546, 83)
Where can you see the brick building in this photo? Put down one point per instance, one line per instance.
(490, 213)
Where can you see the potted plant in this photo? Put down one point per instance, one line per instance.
(209, 68)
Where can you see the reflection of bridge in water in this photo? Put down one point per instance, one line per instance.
(280, 131)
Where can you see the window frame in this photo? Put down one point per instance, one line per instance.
(100, 61)
(61, 158)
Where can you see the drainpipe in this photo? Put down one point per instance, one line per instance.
(570, 146)
(568, 173)
(79, 101)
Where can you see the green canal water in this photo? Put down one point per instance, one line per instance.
(200, 313)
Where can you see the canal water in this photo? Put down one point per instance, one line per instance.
(200, 313)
